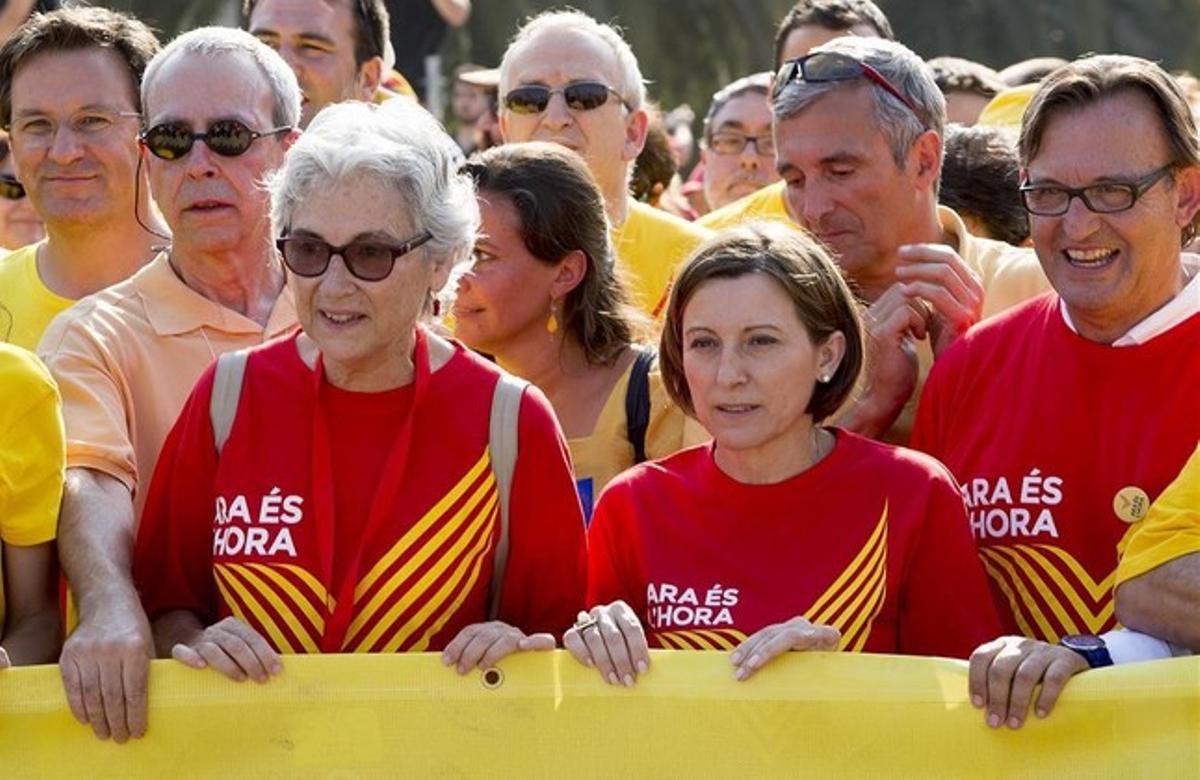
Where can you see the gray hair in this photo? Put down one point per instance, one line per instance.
(632, 87)
(756, 83)
(397, 143)
(903, 69)
(224, 41)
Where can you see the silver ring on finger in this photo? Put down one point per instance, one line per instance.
(583, 624)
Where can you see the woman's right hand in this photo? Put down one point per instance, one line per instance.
(232, 648)
(610, 639)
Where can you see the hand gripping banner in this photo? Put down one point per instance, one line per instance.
(810, 715)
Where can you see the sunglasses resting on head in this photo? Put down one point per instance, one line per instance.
(826, 66)
(226, 137)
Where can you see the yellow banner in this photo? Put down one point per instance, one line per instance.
(814, 715)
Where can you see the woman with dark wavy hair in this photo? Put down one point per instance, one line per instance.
(544, 297)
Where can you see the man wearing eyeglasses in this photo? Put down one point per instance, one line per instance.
(1066, 418)
(219, 111)
(738, 150)
(334, 47)
(571, 80)
(74, 150)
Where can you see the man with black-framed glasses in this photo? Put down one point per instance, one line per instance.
(1067, 417)
(336, 49)
(569, 79)
(74, 153)
(219, 112)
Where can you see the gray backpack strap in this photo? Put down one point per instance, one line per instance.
(227, 390)
(502, 449)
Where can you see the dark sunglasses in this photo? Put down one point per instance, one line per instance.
(580, 96)
(826, 66)
(226, 137)
(370, 261)
(10, 188)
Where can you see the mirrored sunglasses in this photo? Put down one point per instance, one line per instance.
(226, 137)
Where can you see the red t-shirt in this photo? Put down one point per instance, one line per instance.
(1060, 444)
(239, 535)
(873, 540)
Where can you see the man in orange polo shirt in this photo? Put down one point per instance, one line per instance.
(220, 108)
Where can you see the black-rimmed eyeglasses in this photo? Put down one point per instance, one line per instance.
(1053, 200)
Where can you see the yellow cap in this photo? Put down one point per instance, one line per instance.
(1007, 108)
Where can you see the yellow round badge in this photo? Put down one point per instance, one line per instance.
(1131, 504)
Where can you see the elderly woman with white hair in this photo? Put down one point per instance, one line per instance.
(362, 485)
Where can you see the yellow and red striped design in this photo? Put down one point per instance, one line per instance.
(856, 597)
(1050, 593)
(699, 639)
(406, 597)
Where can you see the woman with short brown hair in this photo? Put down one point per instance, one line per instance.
(781, 534)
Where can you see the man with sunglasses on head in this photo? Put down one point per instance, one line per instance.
(858, 140)
(571, 80)
(220, 109)
(74, 151)
(807, 25)
(335, 47)
(1065, 418)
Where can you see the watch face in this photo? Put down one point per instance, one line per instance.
(1083, 642)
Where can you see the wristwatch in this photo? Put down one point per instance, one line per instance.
(1092, 648)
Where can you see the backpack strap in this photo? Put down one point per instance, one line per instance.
(227, 390)
(637, 402)
(502, 450)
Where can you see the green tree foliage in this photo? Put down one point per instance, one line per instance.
(690, 48)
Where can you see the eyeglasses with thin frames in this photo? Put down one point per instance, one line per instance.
(40, 129)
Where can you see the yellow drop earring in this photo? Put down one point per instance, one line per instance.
(552, 321)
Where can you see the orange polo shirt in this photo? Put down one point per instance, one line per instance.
(126, 359)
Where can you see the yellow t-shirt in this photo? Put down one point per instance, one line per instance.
(651, 245)
(32, 453)
(764, 204)
(26, 304)
(607, 451)
(1170, 530)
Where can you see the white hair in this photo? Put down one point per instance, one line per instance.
(903, 69)
(224, 41)
(397, 143)
(632, 87)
